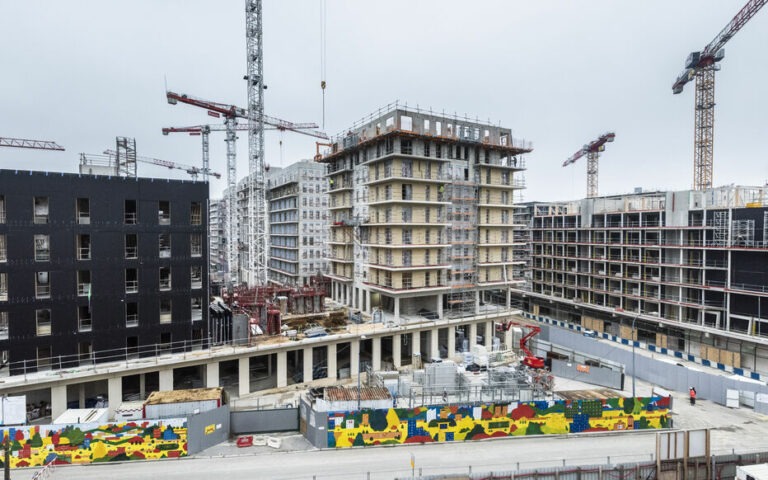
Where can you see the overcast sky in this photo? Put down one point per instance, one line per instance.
(559, 73)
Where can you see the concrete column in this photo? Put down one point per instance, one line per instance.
(212, 375)
(451, 341)
(354, 358)
(508, 339)
(396, 344)
(307, 366)
(58, 400)
(269, 364)
(434, 347)
(397, 311)
(489, 335)
(439, 305)
(142, 384)
(353, 303)
(368, 307)
(282, 369)
(415, 343)
(509, 297)
(114, 394)
(477, 302)
(81, 395)
(243, 376)
(376, 354)
(472, 335)
(331, 361)
(165, 379)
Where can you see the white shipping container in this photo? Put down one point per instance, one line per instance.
(752, 472)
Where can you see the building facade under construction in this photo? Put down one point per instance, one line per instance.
(689, 267)
(422, 214)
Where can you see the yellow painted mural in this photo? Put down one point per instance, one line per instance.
(447, 423)
(36, 446)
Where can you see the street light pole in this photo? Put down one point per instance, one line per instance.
(359, 368)
(634, 372)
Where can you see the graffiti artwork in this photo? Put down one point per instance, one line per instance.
(446, 423)
(36, 446)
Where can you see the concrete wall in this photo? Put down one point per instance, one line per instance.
(207, 429)
(263, 421)
(313, 424)
(605, 377)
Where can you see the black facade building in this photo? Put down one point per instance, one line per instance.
(97, 268)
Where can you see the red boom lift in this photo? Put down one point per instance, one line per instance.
(530, 360)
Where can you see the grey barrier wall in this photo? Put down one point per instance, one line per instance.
(664, 371)
(314, 425)
(604, 377)
(263, 421)
(207, 429)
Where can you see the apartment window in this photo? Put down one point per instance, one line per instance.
(132, 346)
(42, 285)
(44, 355)
(130, 212)
(407, 236)
(131, 280)
(439, 151)
(407, 256)
(164, 212)
(83, 211)
(131, 314)
(196, 244)
(165, 245)
(131, 245)
(407, 214)
(196, 276)
(387, 279)
(84, 318)
(407, 191)
(197, 308)
(389, 145)
(427, 279)
(196, 214)
(165, 278)
(83, 243)
(165, 310)
(427, 214)
(406, 147)
(42, 248)
(165, 342)
(3, 249)
(4, 326)
(85, 352)
(2, 208)
(407, 280)
(426, 149)
(84, 283)
(426, 257)
(427, 236)
(43, 322)
(3, 287)
(41, 210)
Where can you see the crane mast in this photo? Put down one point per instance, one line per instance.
(702, 66)
(258, 240)
(592, 151)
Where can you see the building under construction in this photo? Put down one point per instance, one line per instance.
(690, 267)
(422, 214)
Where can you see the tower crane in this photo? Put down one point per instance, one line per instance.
(592, 151)
(194, 171)
(25, 143)
(257, 244)
(702, 66)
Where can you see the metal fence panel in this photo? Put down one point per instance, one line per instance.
(264, 421)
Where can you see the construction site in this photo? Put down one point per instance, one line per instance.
(390, 285)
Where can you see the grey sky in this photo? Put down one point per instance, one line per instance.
(559, 73)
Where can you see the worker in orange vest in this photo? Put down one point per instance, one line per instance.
(692, 394)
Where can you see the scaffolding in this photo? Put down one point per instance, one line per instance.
(743, 233)
(720, 231)
(463, 237)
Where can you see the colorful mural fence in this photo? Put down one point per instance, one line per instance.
(38, 445)
(446, 423)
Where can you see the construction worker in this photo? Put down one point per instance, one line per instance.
(330, 182)
(692, 394)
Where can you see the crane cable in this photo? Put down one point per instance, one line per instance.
(323, 16)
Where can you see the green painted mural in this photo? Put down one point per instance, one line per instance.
(447, 423)
(38, 445)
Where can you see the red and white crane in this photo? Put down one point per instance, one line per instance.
(192, 170)
(702, 66)
(592, 151)
(26, 143)
(257, 241)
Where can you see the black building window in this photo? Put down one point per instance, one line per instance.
(164, 212)
(84, 323)
(165, 278)
(131, 246)
(197, 309)
(196, 214)
(43, 322)
(83, 211)
(42, 248)
(196, 276)
(131, 280)
(165, 310)
(131, 314)
(165, 245)
(83, 243)
(130, 213)
(84, 283)
(41, 210)
(196, 244)
(4, 326)
(42, 285)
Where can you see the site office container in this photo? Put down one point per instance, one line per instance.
(183, 403)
